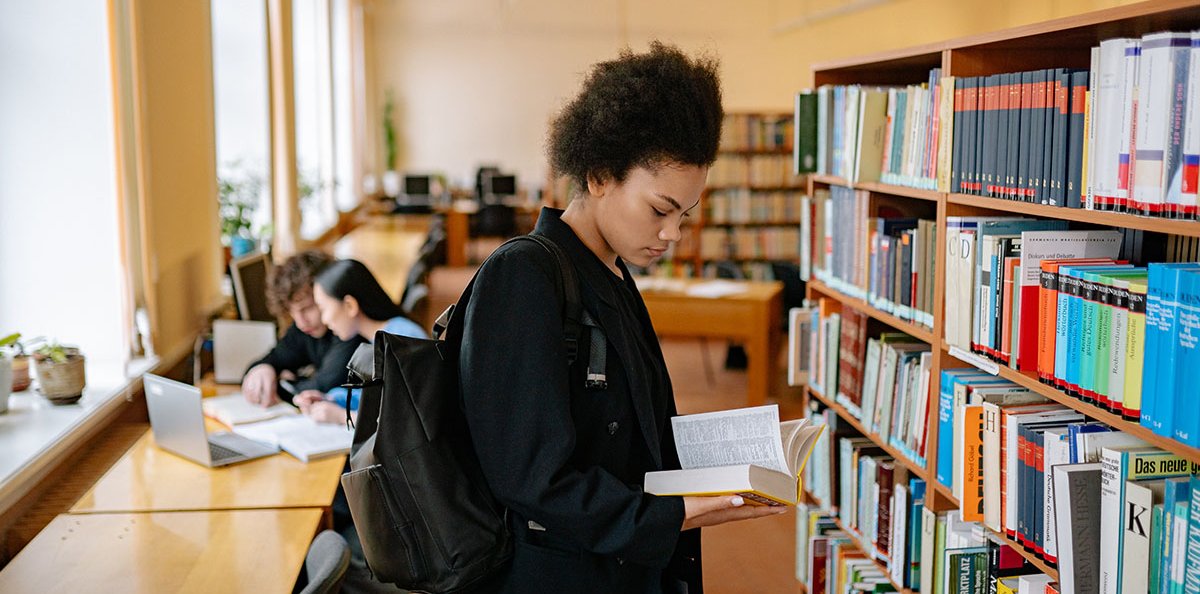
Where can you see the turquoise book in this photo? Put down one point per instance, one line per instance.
(1187, 359)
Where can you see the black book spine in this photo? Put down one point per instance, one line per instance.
(1014, 135)
(980, 133)
(1037, 137)
(1062, 114)
(1023, 137)
(905, 269)
(990, 121)
(999, 186)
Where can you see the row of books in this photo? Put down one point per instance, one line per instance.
(754, 132)
(759, 243)
(1061, 303)
(887, 261)
(869, 504)
(883, 381)
(742, 206)
(1121, 136)
(756, 171)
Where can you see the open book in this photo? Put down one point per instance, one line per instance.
(300, 436)
(233, 410)
(745, 452)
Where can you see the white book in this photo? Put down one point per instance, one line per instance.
(1190, 192)
(1178, 49)
(1056, 451)
(824, 127)
(745, 451)
(929, 521)
(897, 545)
(1033, 583)
(234, 410)
(800, 321)
(1140, 498)
(960, 282)
(300, 436)
(1155, 90)
(1129, 119)
(870, 376)
(805, 238)
(1109, 110)
(1089, 147)
(1112, 492)
(1090, 445)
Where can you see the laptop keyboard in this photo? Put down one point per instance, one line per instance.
(220, 453)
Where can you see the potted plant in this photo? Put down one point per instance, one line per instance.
(11, 345)
(391, 179)
(60, 372)
(238, 195)
(6, 370)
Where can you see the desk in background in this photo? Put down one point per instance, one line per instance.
(149, 479)
(217, 551)
(387, 249)
(753, 317)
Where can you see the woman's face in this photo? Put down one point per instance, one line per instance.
(640, 217)
(340, 315)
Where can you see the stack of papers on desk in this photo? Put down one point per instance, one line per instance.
(716, 289)
(300, 436)
(233, 410)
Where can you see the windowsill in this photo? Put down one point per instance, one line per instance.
(35, 433)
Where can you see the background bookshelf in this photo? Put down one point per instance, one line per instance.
(750, 212)
(1062, 43)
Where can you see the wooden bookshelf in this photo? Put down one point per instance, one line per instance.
(1037, 562)
(856, 542)
(912, 466)
(914, 330)
(1060, 43)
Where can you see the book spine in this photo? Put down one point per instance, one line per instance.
(1135, 345)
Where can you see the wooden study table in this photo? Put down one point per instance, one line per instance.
(752, 317)
(150, 479)
(387, 249)
(215, 551)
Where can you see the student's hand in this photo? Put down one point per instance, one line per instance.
(259, 385)
(307, 398)
(710, 511)
(324, 411)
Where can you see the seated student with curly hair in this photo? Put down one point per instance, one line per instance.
(353, 306)
(307, 344)
(568, 459)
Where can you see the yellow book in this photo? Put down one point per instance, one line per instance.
(945, 139)
(1135, 345)
(1007, 585)
(745, 452)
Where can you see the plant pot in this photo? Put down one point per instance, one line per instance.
(240, 246)
(61, 383)
(20, 373)
(391, 184)
(5, 382)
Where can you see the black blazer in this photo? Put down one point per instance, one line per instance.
(568, 461)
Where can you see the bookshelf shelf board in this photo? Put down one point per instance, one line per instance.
(1038, 562)
(782, 150)
(1029, 380)
(1098, 217)
(946, 493)
(918, 332)
(784, 223)
(913, 467)
(894, 190)
(856, 542)
(878, 188)
(800, 188)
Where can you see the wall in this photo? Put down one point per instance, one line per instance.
(477, 82)
(177, 157)
(58, 193)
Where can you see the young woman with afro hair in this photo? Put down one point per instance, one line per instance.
(567, 459)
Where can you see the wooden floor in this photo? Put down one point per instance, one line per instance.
(754, 557)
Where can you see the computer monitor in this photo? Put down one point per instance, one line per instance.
(499, 186)
(417, 186)
(251, 274)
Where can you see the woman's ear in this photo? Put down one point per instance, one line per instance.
(351, 305)
(598, 184)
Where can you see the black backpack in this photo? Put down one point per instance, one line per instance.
(423, 510)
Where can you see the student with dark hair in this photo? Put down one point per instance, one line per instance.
(353, 306)
(307, 344)
(568, 459)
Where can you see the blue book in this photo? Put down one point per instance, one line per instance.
(1074, 430)
(1164, 367)
(916, 489)
(1186, 352)
(1191, 575)
(1155, 415)
(945, 449)
(1177, 493)
(1068, 342)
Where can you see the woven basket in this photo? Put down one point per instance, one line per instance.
(61, 383)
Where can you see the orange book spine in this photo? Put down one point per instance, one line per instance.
(972, 503)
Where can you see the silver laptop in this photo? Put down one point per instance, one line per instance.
(178, 424)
